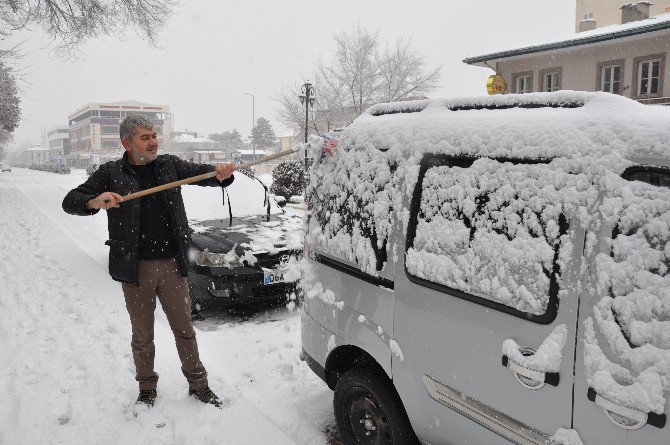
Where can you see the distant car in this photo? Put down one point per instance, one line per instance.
(243, 259)
(6, 168)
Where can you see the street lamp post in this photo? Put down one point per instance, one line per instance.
(307, 98)
(253, 122)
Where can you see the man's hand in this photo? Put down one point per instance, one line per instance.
(105, 201)
(224, 171)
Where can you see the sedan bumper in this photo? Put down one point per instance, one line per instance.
(222, 287)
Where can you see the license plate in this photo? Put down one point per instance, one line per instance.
(275, 276)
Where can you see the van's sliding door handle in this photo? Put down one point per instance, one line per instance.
(521, 372)
(626, 418)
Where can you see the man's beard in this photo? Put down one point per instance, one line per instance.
(147, 157)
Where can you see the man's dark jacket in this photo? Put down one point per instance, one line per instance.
(124, 223)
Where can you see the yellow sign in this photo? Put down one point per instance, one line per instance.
(496, 84)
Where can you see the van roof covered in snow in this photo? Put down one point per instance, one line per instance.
(535, 125)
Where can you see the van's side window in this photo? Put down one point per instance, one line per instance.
(654, 176)
(490, 232)
(636, 273)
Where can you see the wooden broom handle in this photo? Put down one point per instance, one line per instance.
(208, 175)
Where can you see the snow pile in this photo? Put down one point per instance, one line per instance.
(564, 436)
(548, 356)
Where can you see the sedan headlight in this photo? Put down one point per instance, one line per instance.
(209, 259)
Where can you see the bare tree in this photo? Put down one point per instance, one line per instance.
(402, 73)
(71, 22)
(358, 76)
(328, 112)
(354, 67)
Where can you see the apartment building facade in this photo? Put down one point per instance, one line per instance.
(57, 142)
(94, 129)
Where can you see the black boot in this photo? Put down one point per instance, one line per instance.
(147, 397)
(206, 395)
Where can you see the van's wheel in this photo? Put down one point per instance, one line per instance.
(369, 411)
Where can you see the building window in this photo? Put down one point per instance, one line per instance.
(550, 79)
(611, 79)
(110, 143)
(649, 72)
(110, 113)
(523, 82)
(610, 76)
(109, 129)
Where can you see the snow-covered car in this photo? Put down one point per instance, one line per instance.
(6, 168)
(494, 270)
(242, 245)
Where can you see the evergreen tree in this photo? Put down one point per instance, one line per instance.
(10, 112)
(231, 140)
(288, 179)
(263, 135)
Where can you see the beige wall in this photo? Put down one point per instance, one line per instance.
(608, 12)
(580, 65)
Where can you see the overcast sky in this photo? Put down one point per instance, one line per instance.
(213, 51)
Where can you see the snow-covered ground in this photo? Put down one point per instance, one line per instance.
(67, 374)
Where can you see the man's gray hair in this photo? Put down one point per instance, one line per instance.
(129, 124)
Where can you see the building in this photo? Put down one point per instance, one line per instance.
(185, 144)
(209, 156)
(627, 59)
(58, 143)
(288, 141)
(94, 129)
(244, 155)
(36, 155)
(591, 14)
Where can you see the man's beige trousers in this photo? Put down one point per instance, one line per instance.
(161, 278)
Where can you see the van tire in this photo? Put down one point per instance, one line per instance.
(366, 402)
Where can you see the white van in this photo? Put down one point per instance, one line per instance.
(494, 270)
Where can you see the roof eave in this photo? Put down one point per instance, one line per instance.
(481, 60)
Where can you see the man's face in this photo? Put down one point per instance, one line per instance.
(142, 147)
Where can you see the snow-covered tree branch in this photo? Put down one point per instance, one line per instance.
(71, 22)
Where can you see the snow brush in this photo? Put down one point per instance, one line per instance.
(328, 145)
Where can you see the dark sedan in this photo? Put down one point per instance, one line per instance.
(245, 260)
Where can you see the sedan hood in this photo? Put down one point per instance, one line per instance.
(253, 234)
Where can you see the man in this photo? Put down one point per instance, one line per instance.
(149, 241)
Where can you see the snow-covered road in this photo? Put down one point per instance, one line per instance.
(67, 375)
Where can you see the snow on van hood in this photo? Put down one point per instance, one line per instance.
(356, 196)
